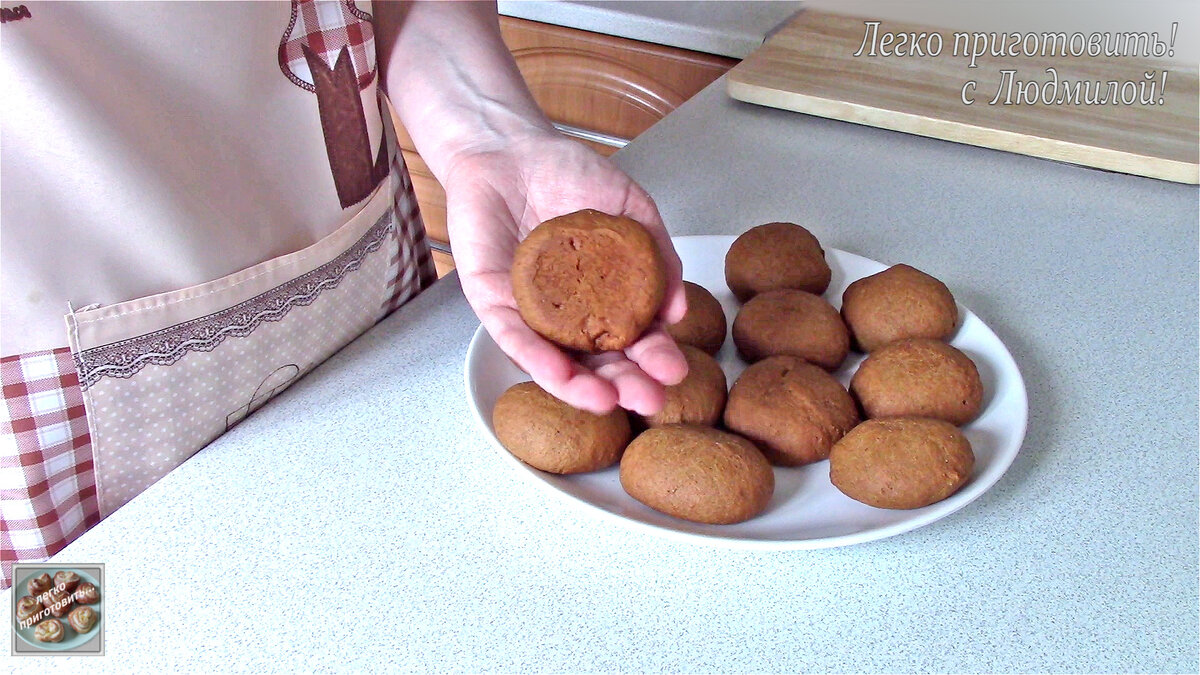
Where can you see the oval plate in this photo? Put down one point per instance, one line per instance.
(806, 511)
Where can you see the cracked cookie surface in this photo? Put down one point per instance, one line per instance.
(589, 281)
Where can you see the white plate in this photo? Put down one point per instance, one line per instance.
(806, 511)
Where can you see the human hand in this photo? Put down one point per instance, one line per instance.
(495, 197)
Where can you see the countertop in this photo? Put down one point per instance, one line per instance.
(732, 29)
(360, 521)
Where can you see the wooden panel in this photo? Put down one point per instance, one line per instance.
(808, 67)
(443, 262)
(612, 85)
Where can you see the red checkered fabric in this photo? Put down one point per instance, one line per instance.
(412, 268)
(47, 482)
(326, 28)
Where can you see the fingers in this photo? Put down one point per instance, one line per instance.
(657, 355)
(633, 380)
(549, 367)
(636, 390)
(640, 373)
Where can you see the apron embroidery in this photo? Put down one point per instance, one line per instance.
(125, 358)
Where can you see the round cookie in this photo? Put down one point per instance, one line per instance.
(788, 321)
(27, 608)
(699, 398)
(899, 302)
(704, 324)
(776, 255)
(550, 435)
(901, 462)
(589, 281)
(50, 630)
(698, 474)
(794, 411)
(919, 377)
(82, 619)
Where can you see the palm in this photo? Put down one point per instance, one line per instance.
(494, 199)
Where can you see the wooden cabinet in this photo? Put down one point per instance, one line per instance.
(598, 89)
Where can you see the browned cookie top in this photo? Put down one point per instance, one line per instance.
(899, 302)
(698, 474)
(776, 255)
(589, 281)
(919, 377)
(901, 462)
(788, 321)
(550, 435)
(794, 411)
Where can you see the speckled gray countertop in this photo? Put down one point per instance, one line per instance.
(732, 28)
(360, 521)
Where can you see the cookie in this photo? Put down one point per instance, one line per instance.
(901, 462)
(66, 581)
(50, 630)
(57, 602)
(919, 377)
(589, 281)
(797, 323)
(698, 474)
(792, 410)
(28, 607)
(83, 619)
(87, 594)
(550, 435)
(699, 398)
(704, 324)
(39, 584)
(899, 302)
(776, 255)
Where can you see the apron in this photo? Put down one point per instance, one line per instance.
(142, 384)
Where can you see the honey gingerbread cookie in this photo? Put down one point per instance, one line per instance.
(699, 398)
(901, 462)
(589, 281)
(794, 411)
(899, 302)
(698, 474)
(788, 321)
(550, 435)
(919, 377)
(704, 323)
(776, 255)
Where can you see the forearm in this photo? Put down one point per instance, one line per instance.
(451, 79)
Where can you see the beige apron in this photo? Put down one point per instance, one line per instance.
(217, 190)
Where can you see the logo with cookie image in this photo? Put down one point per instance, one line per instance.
(58, 610)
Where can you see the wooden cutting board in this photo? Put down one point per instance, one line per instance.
(808, 66)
